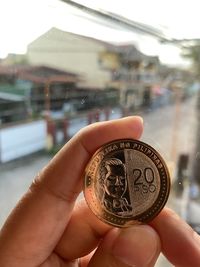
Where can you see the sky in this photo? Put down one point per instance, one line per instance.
(23, 21)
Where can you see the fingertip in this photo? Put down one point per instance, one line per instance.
(131, 243)
(136, 125)
(177, 238)
(139, 119)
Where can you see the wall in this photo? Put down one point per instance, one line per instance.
(20, 140)
(70, 52)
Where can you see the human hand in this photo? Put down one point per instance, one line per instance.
(48, 229)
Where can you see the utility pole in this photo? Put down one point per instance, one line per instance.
(196, 158)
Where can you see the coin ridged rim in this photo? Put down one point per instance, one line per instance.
(157, 205)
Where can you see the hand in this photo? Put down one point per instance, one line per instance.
(48, 229)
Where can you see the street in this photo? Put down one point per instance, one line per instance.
(170, 129)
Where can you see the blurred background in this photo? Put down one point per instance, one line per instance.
(66, 64)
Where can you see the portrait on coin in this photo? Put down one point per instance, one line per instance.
(113, 187)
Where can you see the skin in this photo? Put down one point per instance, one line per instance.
(47, 228)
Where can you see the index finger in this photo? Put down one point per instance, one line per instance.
(37, 223)
(180, 244)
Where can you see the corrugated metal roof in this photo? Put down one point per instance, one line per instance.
(38, 74)
(11, 97)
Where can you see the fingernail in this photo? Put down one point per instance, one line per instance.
(140, 119)
(136, 246)
(196, 238)
(137, 118)
(137, 126)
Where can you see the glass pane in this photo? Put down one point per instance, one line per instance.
(65, 65)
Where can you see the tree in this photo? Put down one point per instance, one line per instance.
(193, 53)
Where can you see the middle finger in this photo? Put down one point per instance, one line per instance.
(82, 234)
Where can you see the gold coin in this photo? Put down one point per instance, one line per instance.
(126, 182)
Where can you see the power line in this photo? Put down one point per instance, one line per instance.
(132, 25)
(127, 23)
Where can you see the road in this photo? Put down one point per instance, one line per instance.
(170, 129)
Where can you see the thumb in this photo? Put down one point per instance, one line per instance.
(137, 246)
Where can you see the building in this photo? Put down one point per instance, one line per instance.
(71, 52)
(27, 91)
(132, 72)
(99, 64)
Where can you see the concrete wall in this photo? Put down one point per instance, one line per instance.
(20, 140)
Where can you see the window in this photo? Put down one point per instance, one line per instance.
(63, 67)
